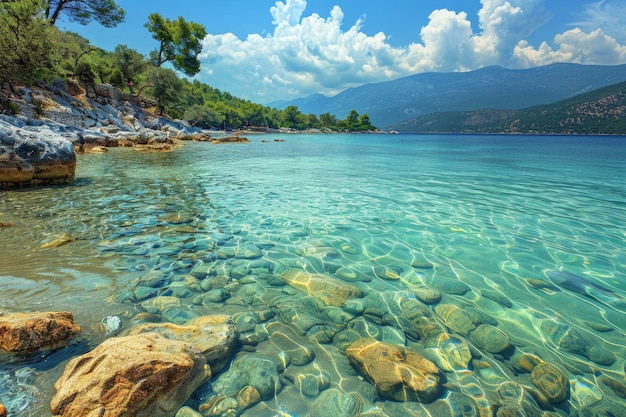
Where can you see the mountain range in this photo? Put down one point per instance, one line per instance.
(601, 111)
(391, 102)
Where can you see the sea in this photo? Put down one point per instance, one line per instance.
(523, 235)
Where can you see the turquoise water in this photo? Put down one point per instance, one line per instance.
(524, 231)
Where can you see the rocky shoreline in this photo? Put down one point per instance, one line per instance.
(38, 146)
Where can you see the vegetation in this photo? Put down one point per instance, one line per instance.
(601, 111)
(34, 49)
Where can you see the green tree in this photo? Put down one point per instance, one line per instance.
(130, 63)
(27, 43)
(164, 88)
(352, 121)
(203, 117)
(180, 42)
(105, 12)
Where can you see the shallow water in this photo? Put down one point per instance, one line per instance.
(534, 226)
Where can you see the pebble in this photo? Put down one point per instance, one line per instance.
(551, 381)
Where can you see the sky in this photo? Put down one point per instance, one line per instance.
(266, 50)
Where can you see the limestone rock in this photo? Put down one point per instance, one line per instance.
(322, 287)
(214, 336)
(551, 381)
(396, 372)
(3, 410)
(460, 320)
(490, 338)
(30, 156)
(138, 375)
(229, 139)
(29, 332)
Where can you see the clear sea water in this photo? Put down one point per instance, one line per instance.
(539, 221)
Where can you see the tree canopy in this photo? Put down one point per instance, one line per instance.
(105, 12)
(180, 42)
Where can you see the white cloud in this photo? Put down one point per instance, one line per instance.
(312, 54)
(606, 15)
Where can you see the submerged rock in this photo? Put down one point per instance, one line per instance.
(397, 373)
(322, 287)
(215, 336)
(551, 381)
(30, 332)
(140, 375)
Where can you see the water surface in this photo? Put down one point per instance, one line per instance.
(534, 226)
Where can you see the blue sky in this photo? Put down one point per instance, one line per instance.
(267, 50)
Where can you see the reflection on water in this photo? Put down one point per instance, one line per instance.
(517, 236)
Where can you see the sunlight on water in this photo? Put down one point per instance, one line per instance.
(526, 233)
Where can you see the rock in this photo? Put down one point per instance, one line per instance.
(490, 339)
(187, 412)
(618, 387)
(30, 332)
(336, 403)
(584, 392)
(248, 370)
(3, 410)
(601, 356)
(396, 372)
(449, 351)
(325, 288)
(229, 139)
(61, 240)
(214, 336)
(426, 294)
(551, 381)
(33, 156)
(565, 337)
(460, 320)
(139, 375)
(451, 286)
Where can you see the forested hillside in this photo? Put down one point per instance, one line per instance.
(602, 111)
(34, 50)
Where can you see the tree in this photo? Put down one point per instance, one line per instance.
(164, 88)
(105, 12)
(180, 42)
(130, 63)
(27, 43)
(203, 117)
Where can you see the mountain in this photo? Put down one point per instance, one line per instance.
(390, 102)
(602, 111)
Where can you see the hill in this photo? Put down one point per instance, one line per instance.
(390, 102)
(602, 111)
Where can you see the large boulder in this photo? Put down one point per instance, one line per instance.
(215, 336)
(139, 375)
(31, 332)
(32, 156)
(397, 373)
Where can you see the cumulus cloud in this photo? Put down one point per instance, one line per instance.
(311, 54)
(605, 15)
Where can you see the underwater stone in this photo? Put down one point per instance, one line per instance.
(603, 409)
(322, 287)
(565, 337)
(584, 392)
(459, 320)
(426, 294)
(396, 372)
(497, 297)
(310, 380)
(618, 387)
(299, 354)
(188, 412)
(245, 322)
(601, 356)
(248, 369)
(525, 362)
(490, 339)
(388, 273)
(215, 336)
(551, 381)
(179, 314)
(449, 351)
(333, 402)
(451, 286)
(158, 304)
(510, 410)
